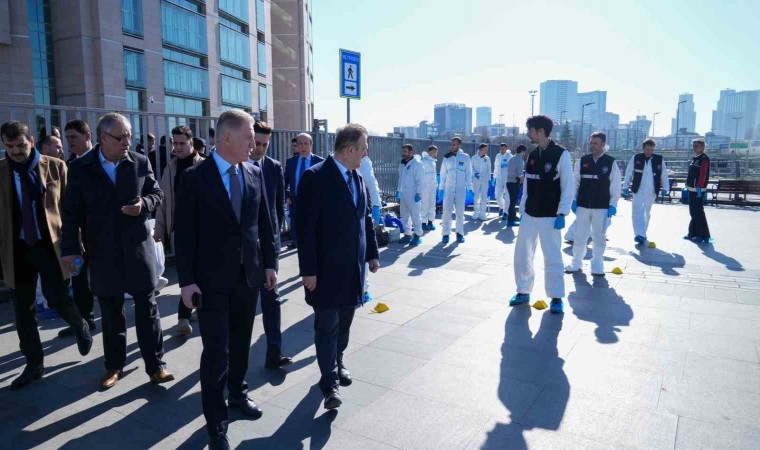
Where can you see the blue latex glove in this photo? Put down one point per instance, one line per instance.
(664, 193)
(398, 196)
(376, 215)
(559, 223)
(417, 198)
(611, 211)
(627, 192)
(574, 208)
(699, 192)
(477, 175)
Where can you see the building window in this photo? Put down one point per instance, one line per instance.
(261, 19)
(234, 47)
(192, 5)
(184, 58)
(40, 38)
(135, 100)
(131, 17)
(263, 100)
(185, 80)
(183, 28)
(185, 106)
(261, 58)
(134, 68)
(236, 92)
(235, 8)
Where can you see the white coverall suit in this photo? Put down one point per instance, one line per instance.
(645, 197)
(593, 222)
(456, 179)
(410, 183)
(429, 188)
(481, 177)
(500, 175)
(368, 173)
(534, 229)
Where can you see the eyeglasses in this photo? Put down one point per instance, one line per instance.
(122, 138)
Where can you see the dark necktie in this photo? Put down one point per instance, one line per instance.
(236, 198)
(256, 163)
(350, 183)
(27, 216)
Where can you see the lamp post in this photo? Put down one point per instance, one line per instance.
(583, 112)
(736, 127)
(501, 125)
(654, 117)
(678, 117)
(532, 95)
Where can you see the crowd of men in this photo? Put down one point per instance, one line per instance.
(222, 209)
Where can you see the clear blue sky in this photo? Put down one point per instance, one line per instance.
(491, 52)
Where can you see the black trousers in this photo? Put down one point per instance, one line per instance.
(698, 225)
(82, 294)
(150, 337)
(226, 323)
(332, 327)
(514, 190)
(183, 312)
(30, 262)
(272, 318)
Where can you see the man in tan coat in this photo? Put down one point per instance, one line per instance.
(185, 157)
(31, 188)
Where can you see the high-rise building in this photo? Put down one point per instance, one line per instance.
(559, 100)
(183, 57)
(409, 132)
(594, 114)
(483, 116)
(687, 116)
(293, 63)
(453, 118)
(737, 114)
(609, 121)
(427, 129)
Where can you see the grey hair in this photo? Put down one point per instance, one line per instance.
(306, 135)
(232, 119)
(107, 122)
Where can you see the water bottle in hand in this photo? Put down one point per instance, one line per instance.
(78, 264)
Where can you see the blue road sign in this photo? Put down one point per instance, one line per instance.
(350, 74)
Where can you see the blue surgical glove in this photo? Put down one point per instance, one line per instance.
(664, 193)
(626, 192)
(417, 198)
(574, 208)
(398, 196)
(477, 175)
(699, 192)
(376, 215)
(559, 223)
(611, 211)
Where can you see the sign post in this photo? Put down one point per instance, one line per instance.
(350, 78)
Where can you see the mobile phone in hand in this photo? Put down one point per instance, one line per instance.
(197, 301)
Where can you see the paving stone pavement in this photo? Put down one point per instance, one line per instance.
(666, 355)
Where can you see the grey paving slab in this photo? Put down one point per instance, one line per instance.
(381, 367)
(696, 434)
(505, 435)
(722, 373)
(731, 347)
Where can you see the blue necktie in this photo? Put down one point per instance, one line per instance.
(301, 169)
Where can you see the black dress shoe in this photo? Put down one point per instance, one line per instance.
(277, 362)
(344, 376)
(68, 331)
(84, 339)
(246, 406)
(292, 246)
(28, 376)
(219, 442)
(332, 400)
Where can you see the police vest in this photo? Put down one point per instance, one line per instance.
(695, 170)
(594, 190)
(639, 162)
(544, 190)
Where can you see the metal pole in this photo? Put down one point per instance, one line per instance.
(532, 95)
(654, 117)
(348, 110)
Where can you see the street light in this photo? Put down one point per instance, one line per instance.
(678, 117)
(654, 117)
(501, 125)
(583, 111)
(736, 129)
(532, 95)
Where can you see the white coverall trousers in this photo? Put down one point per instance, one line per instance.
(410, 214)
(427, 209)
(480, 201)
(532, 231)
(502, 194)
(453, 198)
(590, 222)
(642, 209)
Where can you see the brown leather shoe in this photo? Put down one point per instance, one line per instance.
(112, 376)
(162, 376)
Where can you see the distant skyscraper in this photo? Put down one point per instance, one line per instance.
(483, 116)
(596, 113)
(557, 96)
(687, 115)
(609, 121)
(428, 129)
(737, 114)
(453, 118)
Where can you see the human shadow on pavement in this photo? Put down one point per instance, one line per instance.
(436, 257)
(667, 262)
(299, 426)
(600, 304)
(532, 383)
(730, 263)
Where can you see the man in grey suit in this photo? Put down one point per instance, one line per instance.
(112, 192)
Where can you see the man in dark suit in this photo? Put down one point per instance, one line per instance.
(335, 240)
(225, 251)
(31, 186)
(112, 192)
(274, 187)
(294, 168)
